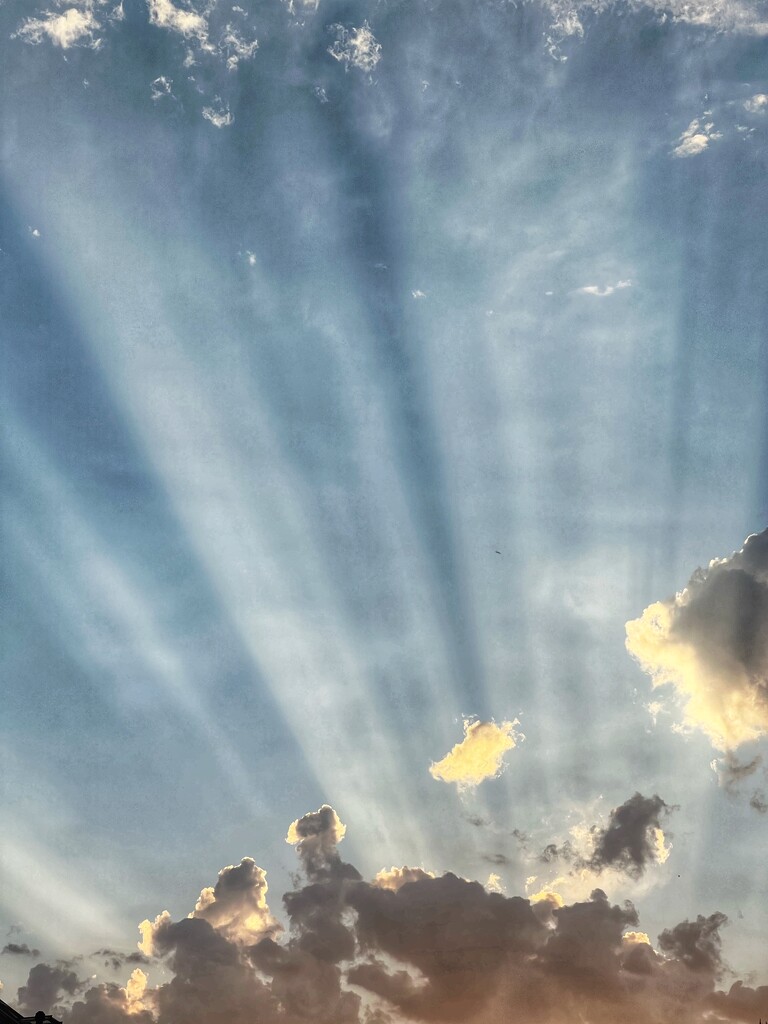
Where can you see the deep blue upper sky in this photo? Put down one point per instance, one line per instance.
(347, 391)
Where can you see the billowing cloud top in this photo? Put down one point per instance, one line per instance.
(710, 641)
(412, 946)
(479, 755)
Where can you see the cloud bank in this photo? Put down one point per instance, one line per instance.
(412, 946)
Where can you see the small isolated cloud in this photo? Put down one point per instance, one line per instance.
(220, 116)
(161, 87)
(355, 47)
(633, 838)
(696, 138)
(45, 986)
(757, 104)
(601, 293)
(479, 755)
(18, 949)
(730, 771)
(419, 294)
(76, 26)
(710, 642)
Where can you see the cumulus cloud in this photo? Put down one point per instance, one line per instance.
(601, 293)
(757, 104)
(479, 756)
(355, 47)
(78, 25)
(46, 984)
(696, 138)
(420, 947)
(710, 642)
(237, 905)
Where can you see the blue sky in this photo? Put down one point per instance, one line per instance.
(353, 383)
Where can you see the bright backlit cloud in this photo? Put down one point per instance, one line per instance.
(696, 138)
(435, 949)
(479, 756)
(710, 642)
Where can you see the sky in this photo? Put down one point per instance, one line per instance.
(385, 473)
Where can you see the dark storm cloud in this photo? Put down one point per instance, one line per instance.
(115, 959)
(46, 985)
(632, 839)
(696, 943)
(428, 948)
(19, 949)
(741, 1003)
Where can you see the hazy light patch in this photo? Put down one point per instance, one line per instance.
(757, 104)
(41, 891)
(601, 293)
(479, 756)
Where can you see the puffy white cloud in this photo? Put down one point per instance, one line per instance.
(479, 756)
(710, 642)
(76, 26)
(696, 138)
(188, 23)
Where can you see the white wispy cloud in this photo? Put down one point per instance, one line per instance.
(696, 138)
(356, 47)
(601, 293)
(188, 23)
(220, 116)
(161, 87)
